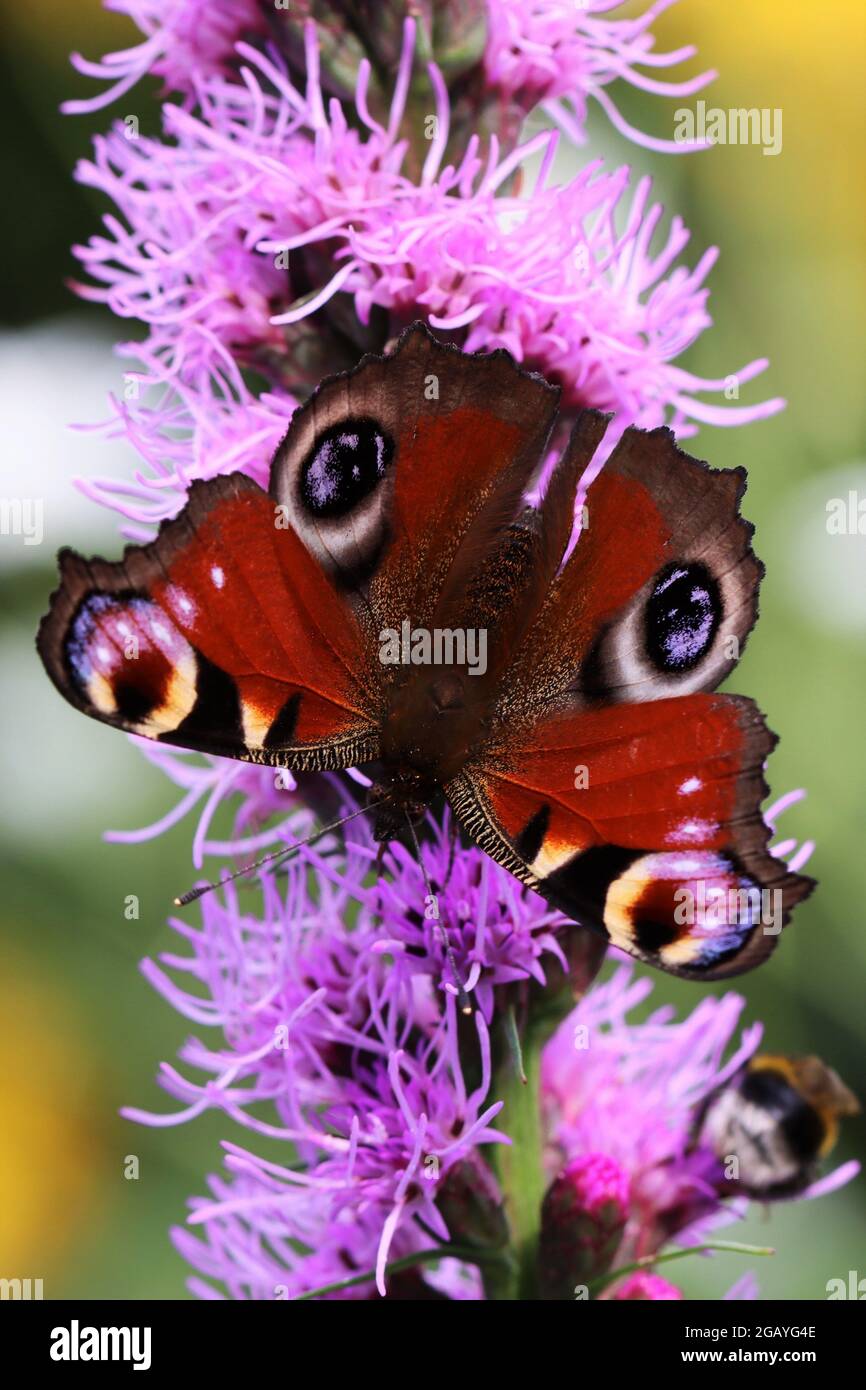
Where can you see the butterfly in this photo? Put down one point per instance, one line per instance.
(393, 598)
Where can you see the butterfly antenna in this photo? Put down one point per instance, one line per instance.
(195, 893)
(462, 996)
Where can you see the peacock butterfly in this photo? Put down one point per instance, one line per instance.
(326, 623)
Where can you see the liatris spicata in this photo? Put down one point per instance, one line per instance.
(336, 1010)
(317, 185)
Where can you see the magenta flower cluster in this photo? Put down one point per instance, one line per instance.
(256, 185)
(286, 219)
(336, 1012)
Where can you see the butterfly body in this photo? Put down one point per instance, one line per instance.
(439, 716)
(393, 599)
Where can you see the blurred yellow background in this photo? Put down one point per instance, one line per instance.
(82, 1032)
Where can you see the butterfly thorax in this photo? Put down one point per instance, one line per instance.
(439, 714)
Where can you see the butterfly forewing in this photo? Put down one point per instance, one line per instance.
(449, 442)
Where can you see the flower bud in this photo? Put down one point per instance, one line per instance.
(471, 1204)
(582, 1221)
(645, 1287)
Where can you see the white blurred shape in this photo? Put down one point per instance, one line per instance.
(826, 571)
(53, 375)
(63, 776)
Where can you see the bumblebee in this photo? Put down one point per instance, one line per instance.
(772, 1125)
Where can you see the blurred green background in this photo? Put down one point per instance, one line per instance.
(82, 1031)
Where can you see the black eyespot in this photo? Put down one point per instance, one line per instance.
(344, 466)
(682, 617)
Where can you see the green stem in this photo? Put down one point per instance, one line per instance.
(514, 1045)
(649, 1261)
(520, 1170)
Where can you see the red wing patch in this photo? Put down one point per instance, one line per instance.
(459, 434)
(660, 592)
(224, 635)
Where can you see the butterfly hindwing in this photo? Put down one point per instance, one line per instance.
(642, 820)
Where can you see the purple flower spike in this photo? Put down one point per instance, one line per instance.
(184, 40)
(361, 1063)
(260, 207)
(555, 52)
(562, 53)
(389, 1018)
